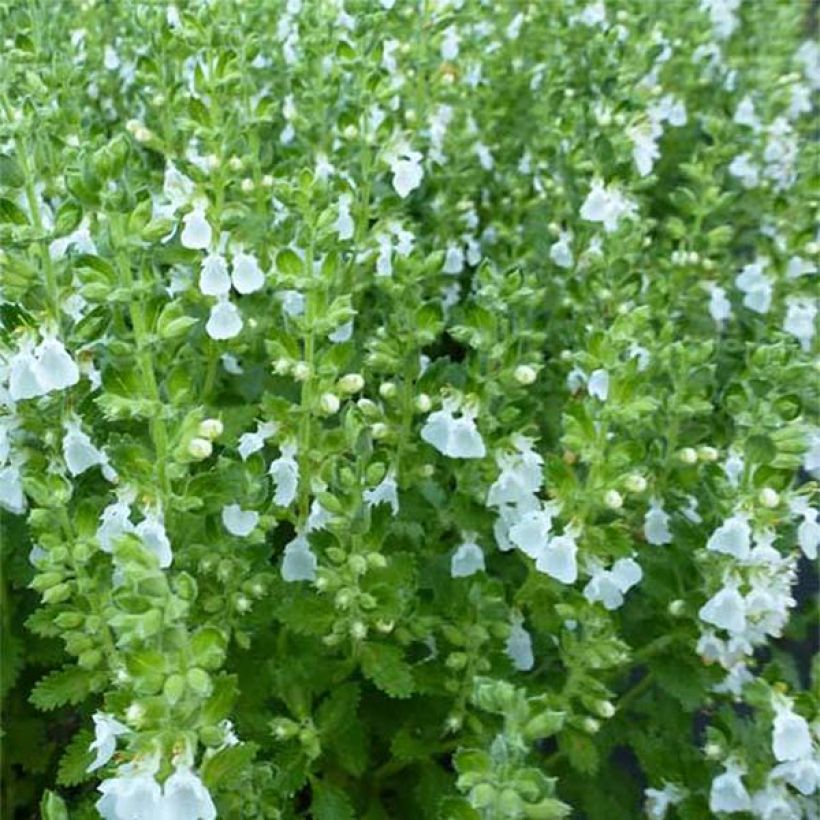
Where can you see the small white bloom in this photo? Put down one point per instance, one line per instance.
(746, 170)
(114, 523)
(299, 563)
(607, 205)
(791, 738)
(79, 452)
(407, 173)
(728, 794)
(285, 474)
(55, 368)
(609, 586)
(386, 492)
(250, 443)
(239, 522)
(451, 436)
(449, 44)
(720, 308)
(598, 384)
(23, 380)
(132, 795)
(557, 559)
(246, 275)
(519, 647)
(656, 524)
(453, 260)
(152, 532)
(725, 610)
(467, 560)
(343, 333)
(293, 303)
(106, 731)
(756, 286)
(225, 321)
(800, 321)
(345, 227)
(184, 796)
(733, 537)
(12, 497)
(531, 532)
(196, 232)
(561, 252)
(213, 276)
(658, 801)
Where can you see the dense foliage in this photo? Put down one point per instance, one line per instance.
(408, 408)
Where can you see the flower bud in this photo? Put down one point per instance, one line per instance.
(235, 163)
(357, 564)
(426, 470)
(423, 403)
(200, 448)
(211, 428)
(388, 390)
(688, 455)
(376, 560)
(351, 383)
(212, 161)
(677, 607)
(613, 500)
(358, 630)
(605, 709)
(301, 371)
(284, 729)
(707, 453)
(380, 431)
(329, 403)
(769, 497)
(282, 367)
(524, 374)
(135, 714)
(590, 725)
(482, 796)
(635, 483)
(267, 181)
(712, 751)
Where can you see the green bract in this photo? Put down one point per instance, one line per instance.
(409, 409)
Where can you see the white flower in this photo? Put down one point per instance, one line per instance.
(756, 286)
(285, 474)
(808, 534)
(531, 533)
(453, 260)
(800, 321)
(213, 276)
(645, 149)
(196, 232)
(250, 443)
(55, 368)
(106, 731)
(467, 560)
(449, 44)
(728, 794)
(407, 172)
(658, 801)
(451, 436)
(798, 267)
(225, 321)
(246, 275)
(299, 563)
(598, 384)
(186, 798)
(791, 739)
(592, 15)
(177, 188)
(345, 227)
(23, 380)
(12, 497)
(656, 524)
(152, 532)
(733, 468)
(745, 114)
(385, 492)
(720, 308)
(79, 453)
(557, 559)
(238, 521)
(519, 647)
(725, 610)
(561, 252)
(610, 586)
(114, 523)
(384, 261)
(132, 795)
(733, 537)
(607, 205)
(803, 774)
(342, 333)
(746, 170)
(293, 303)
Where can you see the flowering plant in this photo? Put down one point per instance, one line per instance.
(408, 408)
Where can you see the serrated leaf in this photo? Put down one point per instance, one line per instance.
(385, 666)
(580, 751)
(76, 759)
(68, 685)
(330, 803)
(227, 763)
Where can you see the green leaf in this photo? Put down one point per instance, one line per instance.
(10, 212)
(580, 751)
(385, 666)
(76, 759)
(67, 685)
(330, 802)
(11, 175)
(288, 262)
(69, 216)
(52, 807)
(226, 764)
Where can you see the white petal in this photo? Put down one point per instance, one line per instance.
(153, 535)
(791, 739)
(79, 453)
(23, 377)
(733, 537)
(519, 648)
(196, 233)
(558, 559)
(56, 369)
(299, 563)
(238, 521)
(467, 560)
(213, 277)
(11, 490)
(725, 610)
(225, 321)
(598, 384)
(247, 276)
